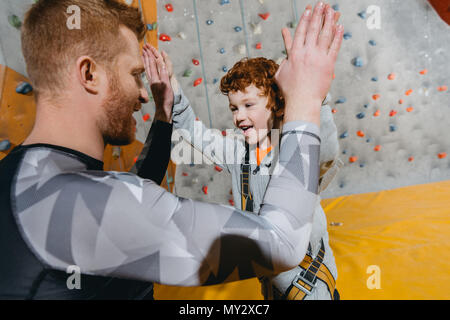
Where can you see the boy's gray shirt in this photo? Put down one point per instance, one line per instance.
(218, 149)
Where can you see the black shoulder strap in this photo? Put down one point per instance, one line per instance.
(246, 195)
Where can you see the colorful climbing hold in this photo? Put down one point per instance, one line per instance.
(335, 7)
(181, 35)
(353, 159)
(359, 133)
(224, 69)
(361, 115)
(205, 189)
(357, 62)
(187, 73)
(164, 37)
(392, 113)
(400, 101)
(376, 96)
(146, 117)
(442, 88)
(14, 21)
(197, 82)
(135, 159)
(24, 88)
(391, 76)
(376, 113)
(377, 148)
(184, 174)
(222, 2)
(423, 72)
(222, 50)
(392, 127)
(224, 133)
(341, 100)
(442, 155)
(374, 79)
(411, 159)
(264, 16)
(258, 46)
(237, 29)
(333, 110)
(231, 201)
(409, 109)
(344, 135)
(372, 42)
(209, 22)
(195, 62)
(5, 145)
(347, 35)
(408, 92)
(169, 7)
(362, 14)
(218, 169)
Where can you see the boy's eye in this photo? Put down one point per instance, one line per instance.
(248, 105)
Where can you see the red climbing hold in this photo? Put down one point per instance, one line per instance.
(333, 110)
(264, 16)
(169, 7)
(424, 71)
(377, 148)
(145, 117)
(164, 37)
(353, 159)
(442, 88)
(442, 155)
(411, 159)
(219, 169)
(184, 174)
(197, 82)
(205, 189)
(135, 159)
(195, 61)
(231, 202)
(360, 133)
(375, 96)
(392, 113)
(258, 46)
(224, 133)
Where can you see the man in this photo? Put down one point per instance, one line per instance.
(61, 212)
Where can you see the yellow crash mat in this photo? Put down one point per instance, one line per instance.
(388, 245)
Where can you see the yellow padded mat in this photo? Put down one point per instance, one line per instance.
(397, 240)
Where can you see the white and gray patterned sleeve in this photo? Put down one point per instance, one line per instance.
(117, 224)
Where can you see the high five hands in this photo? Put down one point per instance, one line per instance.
(305, 75)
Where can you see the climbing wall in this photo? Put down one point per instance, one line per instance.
(389, 97)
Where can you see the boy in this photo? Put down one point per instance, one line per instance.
(257, 106)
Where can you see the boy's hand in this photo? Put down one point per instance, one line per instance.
(305, 76)
(157, 74)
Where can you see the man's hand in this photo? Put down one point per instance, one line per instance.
(305, 76)
(158, 77)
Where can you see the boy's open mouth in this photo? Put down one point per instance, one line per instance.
(245, 128)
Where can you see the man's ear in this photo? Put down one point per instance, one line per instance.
(89, 74)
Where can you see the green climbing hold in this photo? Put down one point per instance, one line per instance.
(187, 73)
(15, 21)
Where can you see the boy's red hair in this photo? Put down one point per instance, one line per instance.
(257, 71)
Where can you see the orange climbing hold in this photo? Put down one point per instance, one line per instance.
(353, 159)
(376, 113)
(408, 92)
(197, 82)
(409, 109)
(442, 88)
(375, 96)
(424, 71)
(442, 155)
(360, 133)
(184, 174)
(377, 148)
(411, 159)
(400, 101)
(333, 110)
(392, 113)
(219, 169)
(146, 117)
(391, 76)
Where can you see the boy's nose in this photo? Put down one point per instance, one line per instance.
(241, 114)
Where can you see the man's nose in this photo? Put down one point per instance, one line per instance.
(143, 98)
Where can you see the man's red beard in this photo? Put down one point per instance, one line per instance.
(118, 125)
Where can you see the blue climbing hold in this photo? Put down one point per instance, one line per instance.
(362, 14)
(237, 29)
(360, 115)
(5, 145)
(209, 22)
(341, 100)
(375, 79)
(343, 136)
(347, 35)
(344, 151)
(341, 185)
(222, 50)
(368, 140)
(215, 80)
(222, 2)
(224, 69)
(335, 7)
(361, 165)
(366, 106)
(372, 42)
(24, 88)
(357, 62)
(392, 127)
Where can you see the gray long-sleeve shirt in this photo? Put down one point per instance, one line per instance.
(218, 149)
